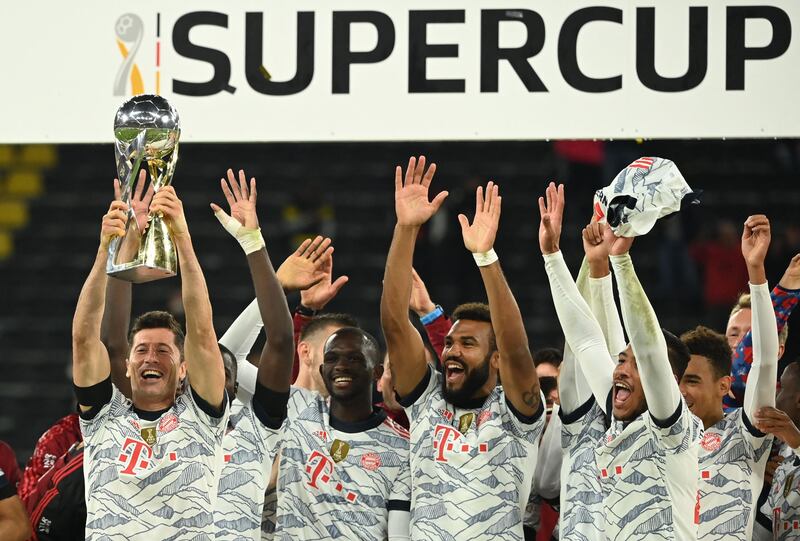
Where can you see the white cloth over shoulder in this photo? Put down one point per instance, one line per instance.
(643, 192)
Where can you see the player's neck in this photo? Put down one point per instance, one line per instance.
(711, 420)
(353, 410)
(146, 403)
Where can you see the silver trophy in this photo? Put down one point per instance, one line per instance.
(146, 132)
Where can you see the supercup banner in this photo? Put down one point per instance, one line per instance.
(357, 70)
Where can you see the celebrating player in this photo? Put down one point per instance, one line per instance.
(151, 463)
(474, 443)
(252, 437)
(647, 460)
(733, 452)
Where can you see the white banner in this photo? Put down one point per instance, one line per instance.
(360, 70)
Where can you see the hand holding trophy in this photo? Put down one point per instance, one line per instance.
(146, 132)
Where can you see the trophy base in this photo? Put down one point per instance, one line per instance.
(141, 273)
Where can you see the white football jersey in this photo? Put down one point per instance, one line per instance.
(648, 477)
(152, 479)
(248, 449)
(783, 503)
(471, 468)
(581, 497)
(339, 480)
(733, 456)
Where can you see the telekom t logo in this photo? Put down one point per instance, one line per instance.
(320, 467)
(444, 438)
(138, 458)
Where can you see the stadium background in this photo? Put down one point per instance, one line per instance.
(53, 197)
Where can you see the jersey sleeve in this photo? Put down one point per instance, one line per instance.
(415, 400)
(91, 424)
(678, 433)
(758, 443)
(206, 413)
(400, 495)
(526, 428)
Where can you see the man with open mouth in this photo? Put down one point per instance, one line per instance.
(151, 462)
(647, 459)
(473, 443)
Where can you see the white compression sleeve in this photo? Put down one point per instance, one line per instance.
(605, 310)
(573, 389)
(581, 330)
(239, 338)
(647, 340)
(760, 389)
(547, 476)
(399, 526)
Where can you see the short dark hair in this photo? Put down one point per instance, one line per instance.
(229, 359)
(548, 384)
(552, 356)
(321, 321)
(373, 348)
(711, 345)
(158, 319)
(476, 311)
(677, 352)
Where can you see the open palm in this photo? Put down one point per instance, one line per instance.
(480, 234)
(411, 196)
(305, 266)
(241, 199)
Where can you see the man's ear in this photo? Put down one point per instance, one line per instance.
(495, 360)
(725, 385)
(127, 368)
(304, 353)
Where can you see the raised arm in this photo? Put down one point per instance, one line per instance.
(90, 362)
(760, 390)
(203, 359)
(581, 330)
(432, 317)
(517, 371)
(275, 367)
(647, 339)
(117, 313)
(403, 342)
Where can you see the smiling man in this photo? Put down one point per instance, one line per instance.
(474, 443)
(151, 463)
(733, 452)
(344, 467)
(647, 459)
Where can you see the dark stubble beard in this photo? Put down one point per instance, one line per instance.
(475, 378)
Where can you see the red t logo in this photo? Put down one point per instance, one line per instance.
(134, 459)
(320, 467)
(443, 438)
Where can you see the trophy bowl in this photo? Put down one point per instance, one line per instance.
(146, 134)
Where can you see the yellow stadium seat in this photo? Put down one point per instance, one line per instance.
(39, 155)
(6, 245)
(24, 184)
(6, 155)
(13, 214)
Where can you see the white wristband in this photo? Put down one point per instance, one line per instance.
(249, 239)
(482, 259)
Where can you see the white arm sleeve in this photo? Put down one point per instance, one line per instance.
(573, 389)
(547, 476)
(399, 527)
(581, 330)
(239, 338)
(647, 340)
(605, 310)
(760, 389)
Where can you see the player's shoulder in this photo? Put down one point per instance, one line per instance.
(393, 427)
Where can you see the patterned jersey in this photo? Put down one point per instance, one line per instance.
(733, 456)
(783, 503)
(581, 499)
(248, 449)
(783, 302)
(152, 479)
(471, 468)
(339, 480)
(648, 477)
